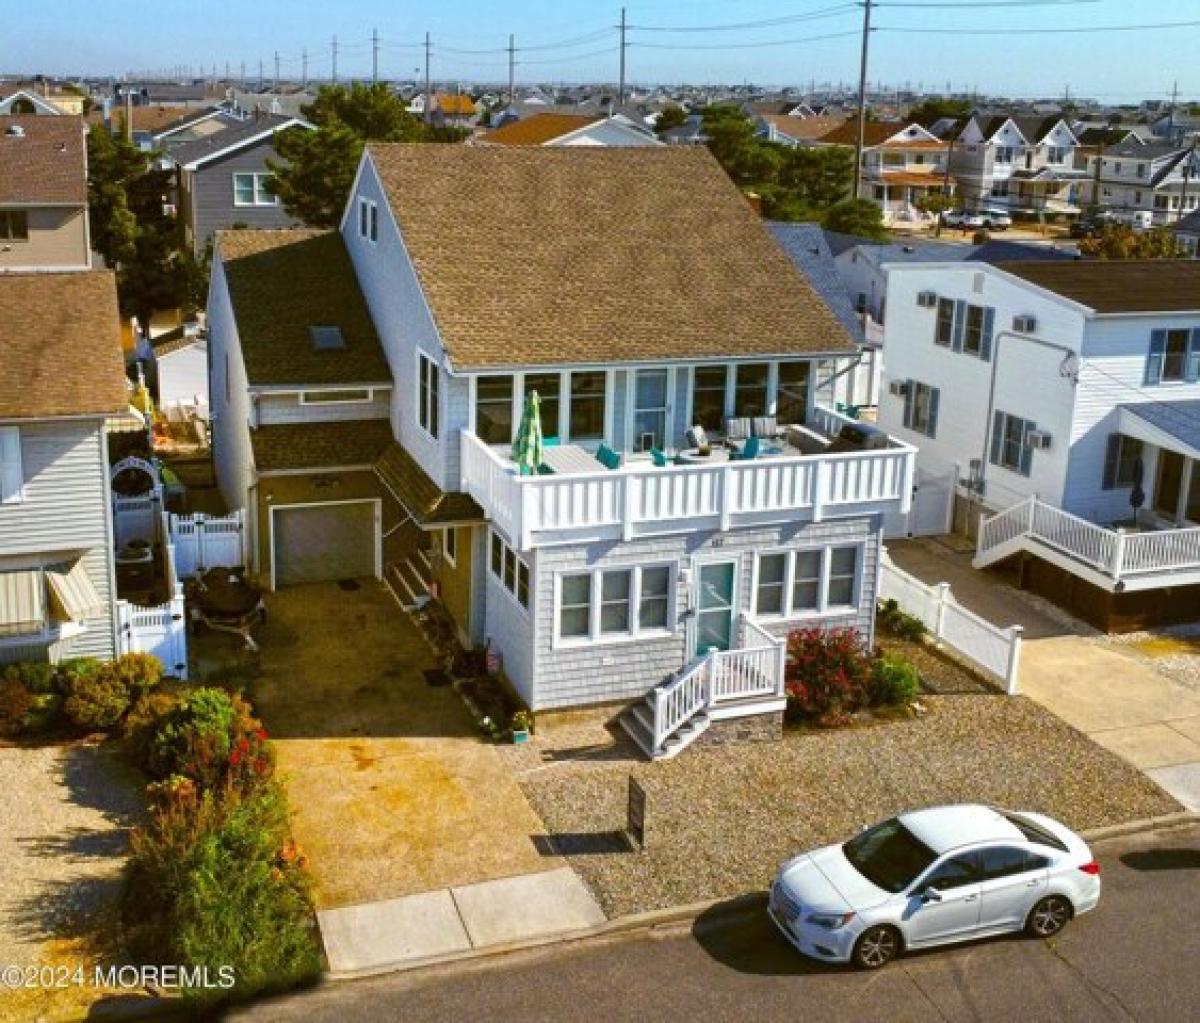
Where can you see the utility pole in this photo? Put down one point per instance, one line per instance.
(1171, 112)
(335, 60)
(243, 76)
(862, 99)
(275, 87)
(937, 231)
(512, 61)
(374, 55)
(621, 86)
(304, 67)
(428, 94)
(1187, 178)
(129, 116)
(260, 75)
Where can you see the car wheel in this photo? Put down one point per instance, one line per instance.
(876, 946)
(1048, 917)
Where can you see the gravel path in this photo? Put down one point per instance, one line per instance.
(1174, 650)
(720, 821)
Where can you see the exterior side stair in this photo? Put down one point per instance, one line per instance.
(409, 579)
(638, 722)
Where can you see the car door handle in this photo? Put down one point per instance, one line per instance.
(1033, 884)
(970, 898)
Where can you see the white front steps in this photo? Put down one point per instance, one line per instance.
(638, 722)
(409, 580)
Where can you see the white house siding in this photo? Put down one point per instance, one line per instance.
(609, 134)
(230, 402)
(65, 510)
(183, 376)
(287, 408)
(405, 324)
(1113, 373)
(1029, 383)
(572, 676)
(507, 627)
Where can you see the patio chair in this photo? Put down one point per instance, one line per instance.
(766, 427)
(737, 429)
(748, 450)
(658, 457)
(696, 437)
(551, 442)
(608, 458)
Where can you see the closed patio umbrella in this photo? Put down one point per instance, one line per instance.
(1137, 496)
(527, 448)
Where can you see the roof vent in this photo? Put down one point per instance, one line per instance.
(326, 339)
(16, 131)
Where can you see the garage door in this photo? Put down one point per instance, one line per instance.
(330, 541)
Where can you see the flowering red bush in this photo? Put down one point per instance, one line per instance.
(827, 672)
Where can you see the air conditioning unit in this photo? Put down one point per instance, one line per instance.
(926, 299)
(899, 388)
(1039, 440)
(1025, 324)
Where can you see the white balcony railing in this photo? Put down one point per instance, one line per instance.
(639, 499)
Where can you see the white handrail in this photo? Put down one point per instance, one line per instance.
(679, 700)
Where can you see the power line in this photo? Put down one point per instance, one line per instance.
(827, 12)
(1074, 30)
(747, 46)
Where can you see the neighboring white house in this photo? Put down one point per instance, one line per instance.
(181, 370)
(1157, 180)
(568, 130)
(1049, 389)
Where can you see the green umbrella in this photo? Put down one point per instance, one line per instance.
(527, 448)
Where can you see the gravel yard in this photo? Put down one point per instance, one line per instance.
(1174, 650)
(720, 821)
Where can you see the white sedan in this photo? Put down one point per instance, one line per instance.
(932, 877)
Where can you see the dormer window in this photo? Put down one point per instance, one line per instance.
(14, 226)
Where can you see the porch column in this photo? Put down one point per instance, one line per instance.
(1185, 486)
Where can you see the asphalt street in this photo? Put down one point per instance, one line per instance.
(1132, 959)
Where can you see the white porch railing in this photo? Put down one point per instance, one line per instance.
(995, 650)
(642, 500)
(1115, 554)
(207, 541)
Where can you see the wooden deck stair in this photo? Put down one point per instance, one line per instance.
(409, 579)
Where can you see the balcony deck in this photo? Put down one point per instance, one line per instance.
(640, 499)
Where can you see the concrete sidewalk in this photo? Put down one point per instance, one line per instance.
(377, 936)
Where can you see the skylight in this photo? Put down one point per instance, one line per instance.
(327, 339)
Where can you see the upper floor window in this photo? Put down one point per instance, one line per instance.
(368, 220)
(1141, 170)
(1057, 154)
(494, 409)
(588, 393)
(14, 225)
(254, 189)
(708, 396)
(1174, 355)
(791, 405)
(548, 387)
(965, 327)
(509, 570)
(427, 394)
(943, 332)
(12, 477)
(921, 408)
(750, 391)
(1005, 154)
(1008, 447)
(650, 409)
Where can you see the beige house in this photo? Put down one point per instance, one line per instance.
(43, 194)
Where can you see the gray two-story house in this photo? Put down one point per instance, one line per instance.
(637, 293)
(61, 374)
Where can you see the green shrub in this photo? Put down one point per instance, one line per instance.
(67, 673)
(216, 881)
(826, 674)
(36, 676)
(143, 721)
(15, 701)
(45, 712)
(100, 694)
(894, 681)
(900, 623)
(213, 739)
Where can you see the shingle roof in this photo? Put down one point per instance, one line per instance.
(1190, 224)
(1144, 150)
(809, 250)
(1180, 419)
(286, 447)
(801, 127)
(538, 129)
(1119, 285)
(568, 234)
(46, 164)
(154, 119)
(230, 138)
(874, 132)
(998, 250)
(60, 335)
(423, 499)
(283, 282)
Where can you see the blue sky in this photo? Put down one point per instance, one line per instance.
(93, 37)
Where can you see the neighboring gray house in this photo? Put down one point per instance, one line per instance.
(61, 375)
(619, 573)
(223, 179)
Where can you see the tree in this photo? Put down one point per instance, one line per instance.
(670, 117)
(318, 167)
(858, 217)
(933, 109)
(1119, 241)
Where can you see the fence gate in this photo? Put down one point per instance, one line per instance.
(932, 509)
(207, 541)
(161, 631)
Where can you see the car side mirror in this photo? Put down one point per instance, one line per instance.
(931, 894)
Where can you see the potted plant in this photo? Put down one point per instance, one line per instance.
(521, 726)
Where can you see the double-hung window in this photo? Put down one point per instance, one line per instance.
(1008, 447)
(1174, 355)
(965, 327)
(508, 569)
(921, 408)
(708, 396)
(588, 392)
(944, 331)
(427, 394)
(254, 189)
(973, 332)
(1121, 461)
(806, 582)
(615, 603)
(494, 409)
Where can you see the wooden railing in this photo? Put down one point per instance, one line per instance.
(642, 499)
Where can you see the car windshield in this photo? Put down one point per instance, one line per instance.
(888, 855)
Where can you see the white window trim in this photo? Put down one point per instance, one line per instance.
(421, 411)
(636, 634)
(368, 393)
(564, 401)
(257, 178)
(11, 436)
(508, 551)
(450, 539)
(823, 609)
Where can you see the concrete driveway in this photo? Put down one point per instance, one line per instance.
(392, 792)
(1115, 696)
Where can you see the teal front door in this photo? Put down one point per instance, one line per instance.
(716, 584)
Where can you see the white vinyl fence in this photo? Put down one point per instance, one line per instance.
(994, 650)
(161, 631)
(207, 541)
(137, 518)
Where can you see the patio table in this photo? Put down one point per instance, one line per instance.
(692, 456)
(570, 458)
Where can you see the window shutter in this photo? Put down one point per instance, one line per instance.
(1191, 371)
(960, 324)
(12, 476)
(934, 394)
(997, 437)
(989, 325)
(1154, 361)
(908, 404)
(1026, 450)
(1112, 456)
